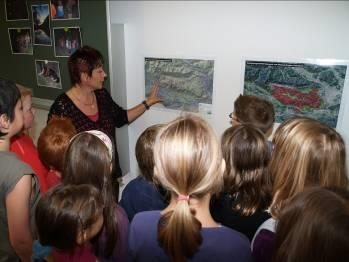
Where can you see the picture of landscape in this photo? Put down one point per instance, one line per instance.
(297, 89)
(41, 24)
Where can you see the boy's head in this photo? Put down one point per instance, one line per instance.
(69, 215)
(11, 114)
(144, 151)
(28, 111)
(53, 142)
(255, 111)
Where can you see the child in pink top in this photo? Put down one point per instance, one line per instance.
(22, 144)
(89, 160)
(67, 217)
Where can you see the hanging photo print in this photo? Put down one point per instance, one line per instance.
(67, 40)
(21, 40)
(16, 10)
(65, 9)
(48, 73)
(41, 24)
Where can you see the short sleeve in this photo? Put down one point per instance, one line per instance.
(13, 172)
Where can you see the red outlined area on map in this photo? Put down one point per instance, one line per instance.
(290, 96)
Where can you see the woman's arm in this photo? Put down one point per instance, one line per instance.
(18, 217)
(135, 112)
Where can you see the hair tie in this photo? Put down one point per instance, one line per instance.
(183, 197)
(105, 139)
(102, 137)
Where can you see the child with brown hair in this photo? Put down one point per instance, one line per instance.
(189, 164)
(22, 144)
(255, 111)
(246, 197)
(314, 226)
(19, 187)
(142, 194)
(67, 217)
(52, 144)
(306, 153)
(89, 160)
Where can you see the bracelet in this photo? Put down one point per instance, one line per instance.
(145, 105)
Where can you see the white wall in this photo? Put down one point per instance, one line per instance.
(228, 32)
(119, 92)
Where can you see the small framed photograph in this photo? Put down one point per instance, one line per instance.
(21, 40)
(48, 73)
(16, 10)
(65, 9)
(67, 40)
(41, 24)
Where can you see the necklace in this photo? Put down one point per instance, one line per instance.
(91, 104)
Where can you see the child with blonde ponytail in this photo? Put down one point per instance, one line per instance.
(189, 164)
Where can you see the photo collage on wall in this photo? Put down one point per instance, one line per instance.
(40, 16)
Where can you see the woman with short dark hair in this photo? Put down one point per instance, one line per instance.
(89, 105)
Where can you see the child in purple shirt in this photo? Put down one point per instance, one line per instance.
(189, 164)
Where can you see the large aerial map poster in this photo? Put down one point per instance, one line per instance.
(184, 84)
(302, 89)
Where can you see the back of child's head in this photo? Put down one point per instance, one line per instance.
(54, 140)
(246, 154)
(314, 226)
(9, 96)
(144, 151)
(188, 163)
(66, 213)
(306, 153)
(88, 160)
(255, 111)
